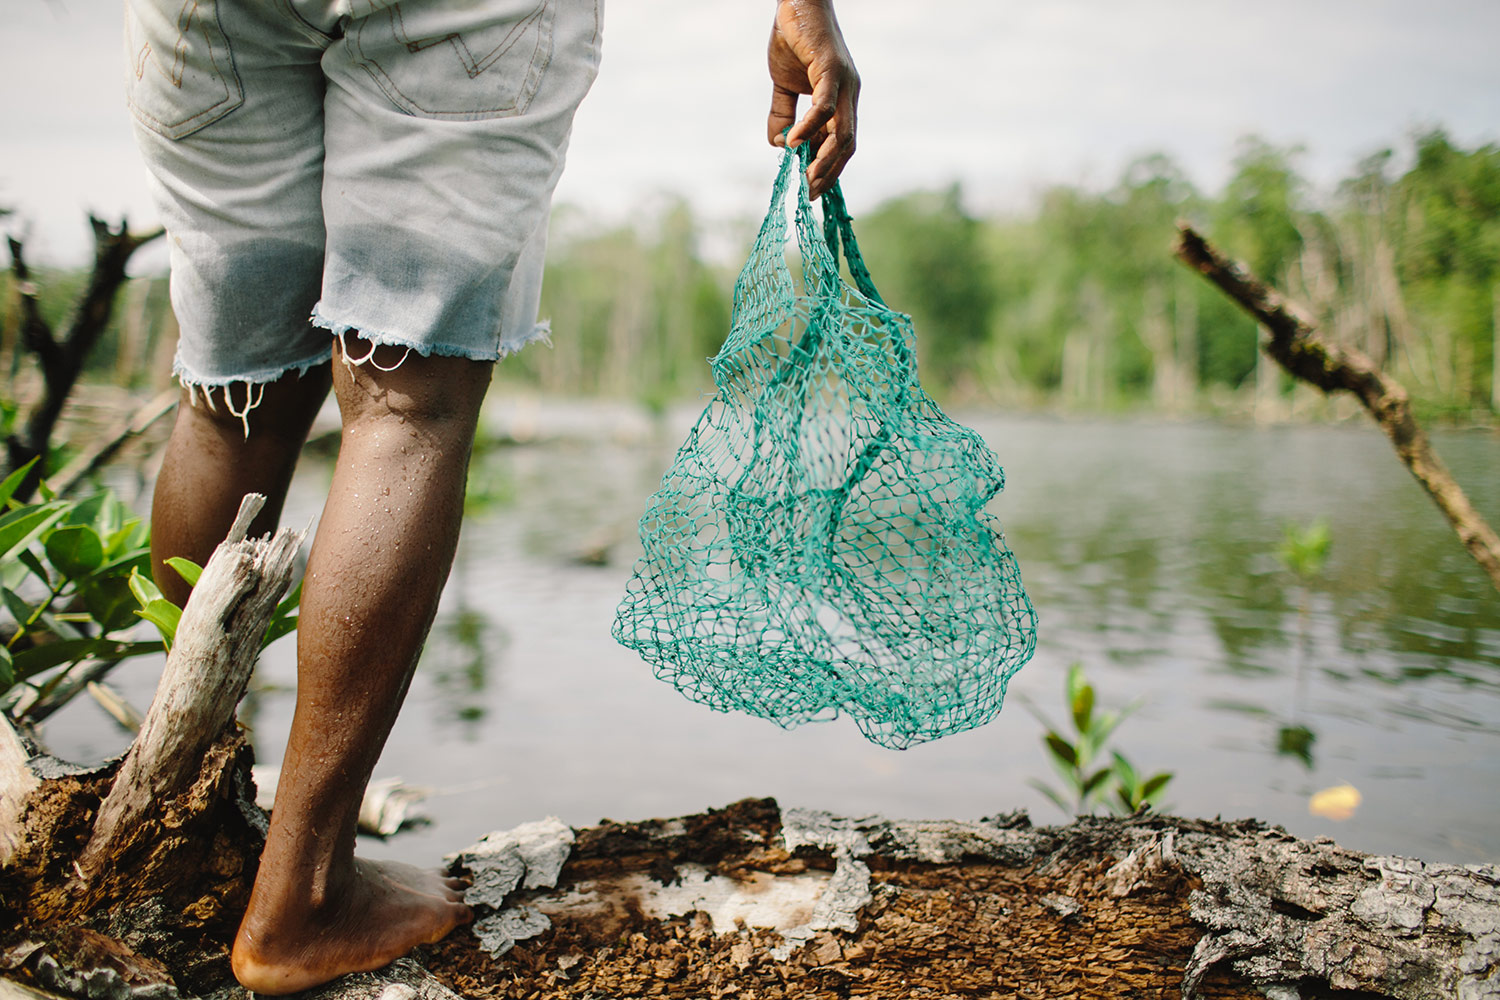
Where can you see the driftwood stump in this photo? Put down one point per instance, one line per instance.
(140, 869)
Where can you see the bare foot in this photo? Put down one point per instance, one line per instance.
(384, 911)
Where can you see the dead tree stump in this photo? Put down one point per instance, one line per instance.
(149, 861)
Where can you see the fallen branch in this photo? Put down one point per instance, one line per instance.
(100, 452)
(1295, 345)
(62, 358)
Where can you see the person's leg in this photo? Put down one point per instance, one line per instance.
(211, 463)
(382, 553)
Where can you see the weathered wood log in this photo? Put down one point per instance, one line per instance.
(207, 670)
(17, 782)
(754, 903)
(1294, 344)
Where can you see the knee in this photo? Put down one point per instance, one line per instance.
(431, 396)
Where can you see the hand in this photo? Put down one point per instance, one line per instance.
(807, 56)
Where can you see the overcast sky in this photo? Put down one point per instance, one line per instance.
(1005, 96)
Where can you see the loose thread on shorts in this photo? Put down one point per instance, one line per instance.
(252, 400)
(255, 394)
(369, 357)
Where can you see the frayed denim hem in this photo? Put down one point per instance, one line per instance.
(255, 384)
(541, 331)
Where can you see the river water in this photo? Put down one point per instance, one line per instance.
(1149, 550)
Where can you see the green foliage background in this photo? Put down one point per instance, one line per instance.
(1077, 303)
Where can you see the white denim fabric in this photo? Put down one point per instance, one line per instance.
(374, 168)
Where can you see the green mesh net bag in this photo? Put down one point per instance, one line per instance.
(820, 543)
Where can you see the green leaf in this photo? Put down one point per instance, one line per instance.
(7, 669)
(85, 511)
(112, 515)
(110, 602)
(164, 615)
(75, 549)
(13, 482)
(16, 605)
(1154, 784)
(124, 564)
(1083, 708)
(30, 560)
(144, 588)
(20, 528)
(1062, 749)
(278, 628)
(128, 538)
(1075, 682)
(1094, 781)
(187, 569)
(59, 626)
(30, 662)
(290, 602)
(1126, 772)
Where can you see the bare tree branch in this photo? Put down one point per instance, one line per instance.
(1294, 344)
(62, 358)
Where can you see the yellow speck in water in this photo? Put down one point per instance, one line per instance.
(1336, 803)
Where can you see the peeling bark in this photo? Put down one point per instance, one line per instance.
(16, 785)
(754, 903)
(1146, 906)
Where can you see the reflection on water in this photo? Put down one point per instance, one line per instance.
(1150, 551)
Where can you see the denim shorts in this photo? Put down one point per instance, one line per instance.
(380, 168)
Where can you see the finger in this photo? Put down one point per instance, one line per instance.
(824, 103)
(821, 173)
(832, 157)
(783, 113)
(838, 147)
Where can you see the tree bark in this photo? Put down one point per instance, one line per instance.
(755, 903)
(16, 785)
(1294, 344)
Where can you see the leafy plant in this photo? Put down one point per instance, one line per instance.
(65, 567)
(74, 581)
(1304, 550)
(1086, 781)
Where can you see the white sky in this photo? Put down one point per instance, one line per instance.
(1005, 96)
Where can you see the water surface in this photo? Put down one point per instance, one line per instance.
(1149, 549)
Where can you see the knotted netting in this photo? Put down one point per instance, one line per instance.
(820, 542)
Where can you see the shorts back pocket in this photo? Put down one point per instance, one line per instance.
(460, 61)
(181, 73)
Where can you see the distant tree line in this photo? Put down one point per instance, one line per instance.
(1079, 302)
(1075, 303)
